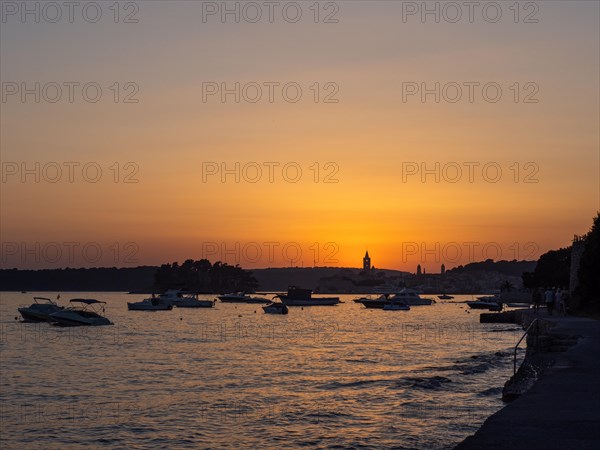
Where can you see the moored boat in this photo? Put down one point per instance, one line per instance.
(374, 303)
(406, 296)
(411, 298)
(150, 304)
(303, 297)
(275, 308)
(192, 301)
(242, 297)
(39, 310)
(86, 313)
(445, 297)
(170, 298)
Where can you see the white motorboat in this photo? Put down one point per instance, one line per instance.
(411, 297)
(39, 310)
(242, 297)
(303, 297)
(192, 301)
(396, 306)
(150, 304)
(170, 298)
(86, 313)
(275, 308)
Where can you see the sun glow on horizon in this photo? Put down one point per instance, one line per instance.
(183, 171)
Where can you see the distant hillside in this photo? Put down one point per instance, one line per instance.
(323, 279)
(278, 279)
(95, 279)
(511, 268)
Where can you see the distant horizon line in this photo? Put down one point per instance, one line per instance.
(269, 268)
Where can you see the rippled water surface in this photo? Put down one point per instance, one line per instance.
(232, 376)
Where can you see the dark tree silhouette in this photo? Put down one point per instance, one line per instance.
(202, 276)
(588, 289)
(553, 269)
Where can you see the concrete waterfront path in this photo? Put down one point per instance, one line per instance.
(562, 409)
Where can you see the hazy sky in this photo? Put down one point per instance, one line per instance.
(343, 140)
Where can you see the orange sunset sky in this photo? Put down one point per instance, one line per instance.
(157, 199)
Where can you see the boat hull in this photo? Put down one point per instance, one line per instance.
(418, 301)
(381, 304)
(194, 304)
(73, 320)
(393, 307)
(325, 301)
(32, 315)
(148, 307)
(254, 300)
(490, 306)
(374, 304)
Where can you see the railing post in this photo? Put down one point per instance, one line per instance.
(523, 337)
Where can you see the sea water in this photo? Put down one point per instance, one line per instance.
(234, 377)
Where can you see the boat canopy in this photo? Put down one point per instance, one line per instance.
(87, 301)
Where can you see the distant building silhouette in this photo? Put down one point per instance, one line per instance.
(443, 269)
(419, 269)
(367, 262)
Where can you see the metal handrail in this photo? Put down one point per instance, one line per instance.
(523, 337)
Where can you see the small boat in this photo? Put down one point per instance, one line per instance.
(275, 308)
(150, 304)
(39, 310)
(445, 297)
(303, 297)
(411, 298)
(374, 303)
(396, 306)
(192, 301)
(168, 299)
(483, 304)
(88, 314)
(242, 297)
(406, 296)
